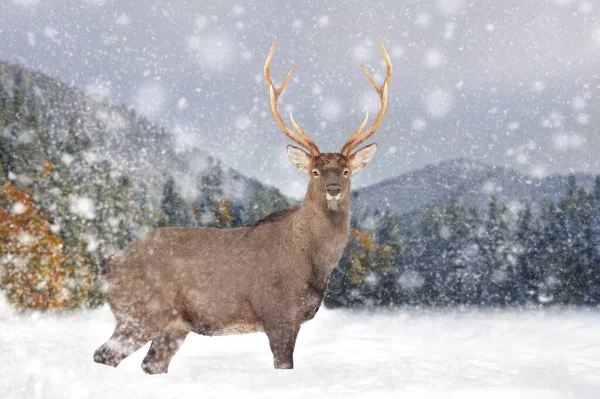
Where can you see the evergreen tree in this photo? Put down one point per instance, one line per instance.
(173, 205)
(503, 285)
(531, 268)
(391, 259)
(594, 246)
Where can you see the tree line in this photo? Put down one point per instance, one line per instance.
(537, 256)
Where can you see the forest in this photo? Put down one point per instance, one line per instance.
(64, 208)
(542, 255)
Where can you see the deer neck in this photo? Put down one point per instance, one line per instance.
(324, 233)
(320, 221)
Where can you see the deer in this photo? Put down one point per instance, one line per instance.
(269, 276)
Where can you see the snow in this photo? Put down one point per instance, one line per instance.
(82, 206)
(238, 9)
(361, 53)
(243, 122)
(150, 99)
(418, 124)
(294, 189)
(50, 32)
(586, 6)
(99, 90)
(433, 58)
(423, 20)
(475, 354)
(214, 52)
(323, 21)
(450, 6)
(538, 85)
(438, 103)
(18, 208)
(578, 103)
(449, 30)
(122, 20)
(596, 35)
(565, 142)
(182, 104)
(201, 22)
(26, 3)
(583, 119)
(31, 39)
(562, 2)
(539, 171)
(411, 280)
(331, 109)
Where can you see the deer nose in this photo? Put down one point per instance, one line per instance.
(333, 189)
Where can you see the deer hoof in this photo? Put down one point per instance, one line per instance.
(284, 365)
(150, 368)
(102, 355)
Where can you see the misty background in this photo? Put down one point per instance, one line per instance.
(510, 83)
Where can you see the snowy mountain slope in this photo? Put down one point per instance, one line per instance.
(132, 145)
(409, 354)
(472, 183)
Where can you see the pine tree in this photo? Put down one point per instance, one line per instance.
(173, 206)
(431, 292)
(391, 258)
(594, 246)
(259, 202)
(503, 286)
(530, 265)
(574, 252)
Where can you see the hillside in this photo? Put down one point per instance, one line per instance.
(472, 183)
(86, 178)
(115, 136)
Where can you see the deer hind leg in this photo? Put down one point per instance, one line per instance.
(163, 348)
(125, 340)
(282, 340)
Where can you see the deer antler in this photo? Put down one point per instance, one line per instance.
(358, 138)
(301, 138)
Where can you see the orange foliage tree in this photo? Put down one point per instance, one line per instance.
(34, 270)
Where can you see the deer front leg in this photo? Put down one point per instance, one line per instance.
(282, 340)
(163, 348)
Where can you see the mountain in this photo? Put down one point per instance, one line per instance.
(111, 137)
(472, 183)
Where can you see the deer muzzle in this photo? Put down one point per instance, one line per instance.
(333, 192)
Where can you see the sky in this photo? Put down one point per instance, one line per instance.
(512, 83)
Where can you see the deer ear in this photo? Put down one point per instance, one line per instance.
(299, 158)
(361, 158)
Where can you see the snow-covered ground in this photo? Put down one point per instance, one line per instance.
(404, 354)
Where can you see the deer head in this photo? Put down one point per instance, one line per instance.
(330, 172)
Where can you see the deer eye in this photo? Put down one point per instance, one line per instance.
(346, 172)
(315, 173)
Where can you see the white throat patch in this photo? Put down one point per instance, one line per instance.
(332, 202)
(332, 198)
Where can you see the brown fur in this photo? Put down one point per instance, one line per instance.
(268, 276)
